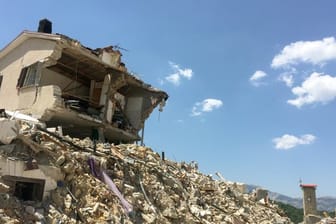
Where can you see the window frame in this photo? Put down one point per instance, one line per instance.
(29, 76)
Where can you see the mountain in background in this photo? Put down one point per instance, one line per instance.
(323, 203)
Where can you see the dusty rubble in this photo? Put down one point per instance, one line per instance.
(143, 187)
(327, 220)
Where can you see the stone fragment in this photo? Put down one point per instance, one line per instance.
(68, 168)
(60, 160)
(148, 218)
(39, 216)
(9, 130)
(4, 188)
(30, 210)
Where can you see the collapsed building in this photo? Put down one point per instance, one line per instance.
(47, 177)
(65, 110)
(86, 92)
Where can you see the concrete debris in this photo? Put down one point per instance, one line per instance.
(123, 183)
(8, 131)
(3, 188)
(327, 220)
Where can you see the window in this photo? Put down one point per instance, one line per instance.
(29, 76)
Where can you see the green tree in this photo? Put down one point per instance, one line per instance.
(295, 214)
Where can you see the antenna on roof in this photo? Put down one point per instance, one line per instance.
(119, 48)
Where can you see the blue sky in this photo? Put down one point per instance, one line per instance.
(252, 84)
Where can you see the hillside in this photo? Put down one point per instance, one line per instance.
(323, 203)
(295, 214)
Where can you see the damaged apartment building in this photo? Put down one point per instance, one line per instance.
(56, 82)
(86, 92)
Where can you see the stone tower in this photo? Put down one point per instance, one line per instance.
(309, 200)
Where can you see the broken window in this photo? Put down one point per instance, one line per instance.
(29, 76)
(24, 190)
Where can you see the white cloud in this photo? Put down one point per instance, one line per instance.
(315, 52)
(256, 77)
(174, 78)
(287, 78)
(317, 88)
(187, 73)
(179, 73)
(206, 105)
(286, 141)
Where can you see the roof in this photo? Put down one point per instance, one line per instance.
(74, 48)
(308, 185)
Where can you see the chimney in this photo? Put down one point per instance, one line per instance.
(45, 26)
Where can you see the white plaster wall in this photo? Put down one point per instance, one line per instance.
(134, 110)
(36, 100)
(111, 58)
(29, 52)
(107, 58)
(49, 77)
(27, 97)
(16, 168)
(46, 97)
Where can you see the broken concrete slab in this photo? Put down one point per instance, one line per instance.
(9, 130)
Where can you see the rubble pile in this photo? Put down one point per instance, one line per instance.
(125, 183)
(327, 220)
